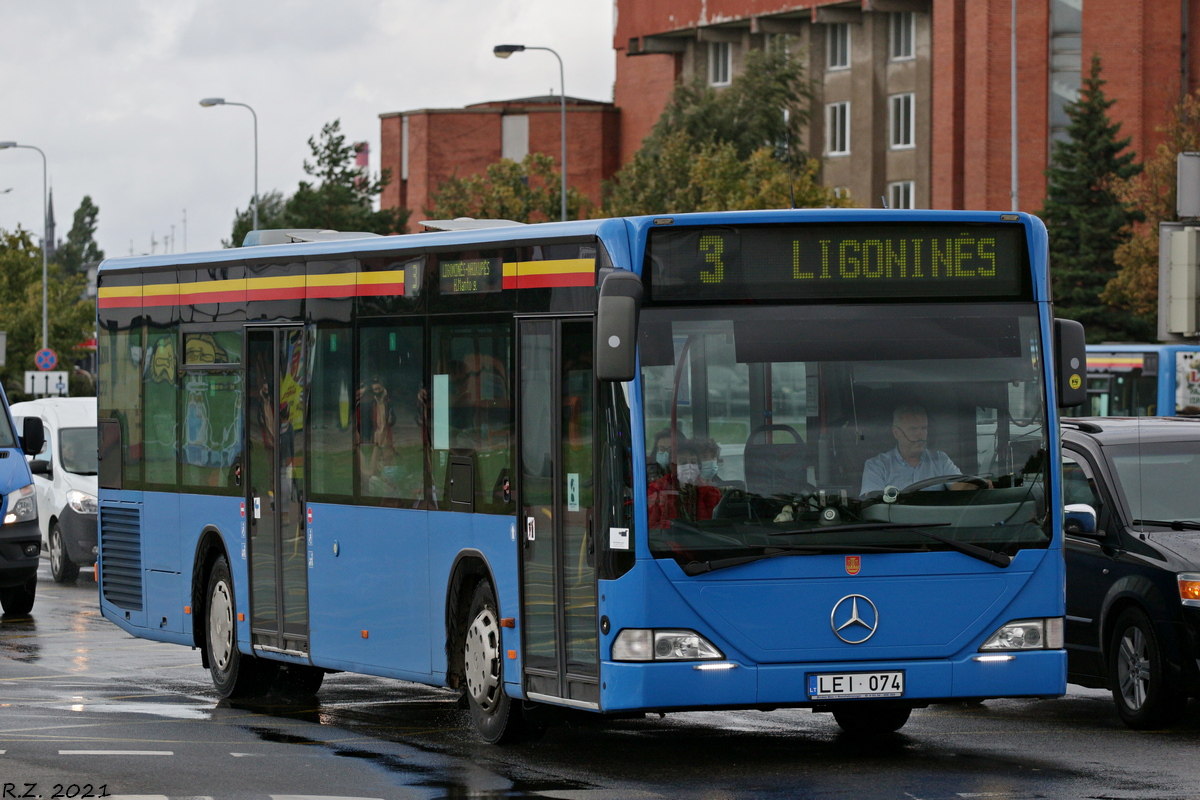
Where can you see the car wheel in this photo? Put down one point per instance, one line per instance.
(1145, 693)
(61, 566)
(18, 600)
(496, 718)
(234, 675)
(871, 719)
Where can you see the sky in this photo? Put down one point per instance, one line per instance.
(110, 91)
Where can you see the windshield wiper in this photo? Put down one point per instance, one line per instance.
(966, 548)
(1175, 525)
(701, 567)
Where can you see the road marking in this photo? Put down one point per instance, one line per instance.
(245, 755)
(318, 797)
(116, 752)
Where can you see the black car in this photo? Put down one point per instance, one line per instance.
(1133, 566)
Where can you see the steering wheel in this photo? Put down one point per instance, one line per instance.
(978, 480)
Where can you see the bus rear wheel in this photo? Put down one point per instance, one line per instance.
(233, 675)
(496, 717)
(871, 719)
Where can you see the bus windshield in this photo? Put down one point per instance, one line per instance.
(843, 429)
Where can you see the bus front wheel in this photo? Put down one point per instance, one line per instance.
(871, 719)
(233, 674)
(496, 718)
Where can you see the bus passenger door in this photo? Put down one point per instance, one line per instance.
(276, 386)
(558, 576)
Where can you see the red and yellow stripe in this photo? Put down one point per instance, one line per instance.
(1115, 362)
(516, 275)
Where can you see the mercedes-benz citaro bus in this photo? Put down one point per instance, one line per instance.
(1141, 380)
(740, 460)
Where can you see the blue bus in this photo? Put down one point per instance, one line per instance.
(793, 458)
(1141, 380)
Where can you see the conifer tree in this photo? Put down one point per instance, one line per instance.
(1085, 217)
(80, 248)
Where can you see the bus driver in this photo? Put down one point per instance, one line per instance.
(910, 461)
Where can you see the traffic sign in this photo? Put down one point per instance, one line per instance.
(45, 384)
(46, 359)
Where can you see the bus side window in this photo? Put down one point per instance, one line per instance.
(389, 414)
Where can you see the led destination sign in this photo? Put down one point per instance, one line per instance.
(850, 261)
(472, 276)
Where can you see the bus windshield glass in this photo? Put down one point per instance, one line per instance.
(843, 429)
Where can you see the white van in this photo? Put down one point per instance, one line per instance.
(64, 476)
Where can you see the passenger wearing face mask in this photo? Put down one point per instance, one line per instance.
(710, 463)
(658, 460)
(682, 495)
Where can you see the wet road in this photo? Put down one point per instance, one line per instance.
(82, 704)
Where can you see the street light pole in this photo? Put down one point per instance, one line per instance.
(506, 50)
(221, 101)
(45, 232)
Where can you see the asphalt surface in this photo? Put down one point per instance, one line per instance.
(84, 705)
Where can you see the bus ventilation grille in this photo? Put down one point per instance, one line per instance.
(121, 545)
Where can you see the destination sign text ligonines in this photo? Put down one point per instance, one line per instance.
(847, 261)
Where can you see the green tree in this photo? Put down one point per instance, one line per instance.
(72, 319)
(1152, 191)
(530, 191)
(80, 248)
(1085, 217)
(270, 215)
(729, 149)
(341, 198)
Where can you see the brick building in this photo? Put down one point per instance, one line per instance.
(424, 148)
(913, 96)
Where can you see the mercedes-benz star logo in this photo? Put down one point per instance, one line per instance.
(853, 622)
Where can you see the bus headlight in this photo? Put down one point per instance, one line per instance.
(21, 504)
(81, 502)
(644, 644)
(1189, 589)
(1027, 634)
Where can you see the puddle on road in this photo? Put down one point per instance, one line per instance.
(170, 710)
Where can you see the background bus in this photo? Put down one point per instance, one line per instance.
(1141, 380)
(425, 457)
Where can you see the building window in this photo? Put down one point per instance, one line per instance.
(901, 112)
(901, 26)
(837, 46)
(900, 194)
(837, 129)
(720, 63)
(514, 137)
(780, 43)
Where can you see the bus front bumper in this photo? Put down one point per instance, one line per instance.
(659, 686)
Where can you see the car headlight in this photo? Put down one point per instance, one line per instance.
(644, 644)
(81, 502)
(1027, 634)
(21, 504)
(1189, 589)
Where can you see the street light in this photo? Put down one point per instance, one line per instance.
(45, 232)
(506, 50)
(221, 101)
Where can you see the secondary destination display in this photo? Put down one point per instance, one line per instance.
(848, 261)
(472, 276)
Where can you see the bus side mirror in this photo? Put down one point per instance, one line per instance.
(1070, 363)
(616, 326)
(33, 437)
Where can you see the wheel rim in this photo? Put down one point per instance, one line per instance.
(220, 625)
(1133, 668)
(482, 659)
(56, 552)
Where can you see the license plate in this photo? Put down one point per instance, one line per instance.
(850, 685)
